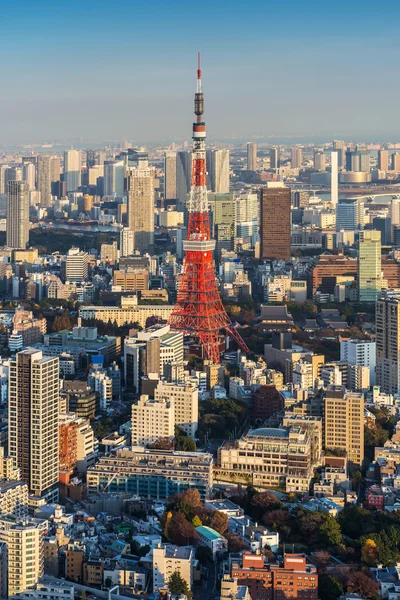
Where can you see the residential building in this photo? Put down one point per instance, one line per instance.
(344, 423)
(251, 156)
(109, 253)
(152, 420)
(24, 541)
(86, 445)
(131, 280)
(154, 474)
(213, 540)
(319, 160)
(358, 159)
(294, 578)
(141, 206)
(183, 176)
(13, 498)
(101, 382)
(370, 281)
(17, 224)
(339, 145)
(350, 214)
(76, 265)
(3, 571)
(223, 217)
(296, 158)
(44, 179)
(274, 158)
(169, 559)
(275, 223)
(360, 352)
(383, 160)
(33, 420)
(114, 173)
(388, 343)
(267, 401)
(185, 398)
(31, 329)
(170, 176)
(218, 171)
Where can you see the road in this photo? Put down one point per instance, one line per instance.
(207, 589)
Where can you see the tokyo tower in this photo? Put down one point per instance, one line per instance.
(199, 310)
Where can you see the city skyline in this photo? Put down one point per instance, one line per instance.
(127, 75)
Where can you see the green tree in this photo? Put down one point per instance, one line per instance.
(177, 585)
(329, 587)
(330, 531)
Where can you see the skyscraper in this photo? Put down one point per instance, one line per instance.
(251, 156)
(141, 207)
(44, 179)
(350, 214)
(223, 209)
(29, 175)
(218, 171)
(344, 423)
(297, 158)
(72, 169)
(388, 343)
(76, 265)
(319, 160)
(383, 160)
(114, 173)
(339, 145)
(33, 420)
(170, 175)
(55, 169)
(369, 266)
(396, 161)
(275, 223)
(334, 178)
(183, 175)
(17, 214)
(358, 160)
(274, 160)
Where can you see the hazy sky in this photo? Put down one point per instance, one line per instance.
(114, 70)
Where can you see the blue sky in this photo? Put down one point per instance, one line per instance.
(126, 70)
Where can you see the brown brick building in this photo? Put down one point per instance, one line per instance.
(273, 581)
(275, 223)
(330, 266)
(267, 401)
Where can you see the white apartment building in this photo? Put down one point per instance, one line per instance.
(87, 445)
(76, 265)
(101, 383)
(167, 560)
(24, 540)
(303, 375)
(152, 420)
(14, 498)
(185, 398)
(360, 352)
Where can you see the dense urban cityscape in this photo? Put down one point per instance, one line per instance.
(200, 367)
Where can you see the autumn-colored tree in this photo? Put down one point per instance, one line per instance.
(179, 531)
(235, 542)
(359, 583)
(191, 496)
(310, 524)
(277, 518)
(370, 553)
(196, 521)
(262, 503)
(322, 560)
(219, 522)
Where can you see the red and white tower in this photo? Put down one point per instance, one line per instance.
(199, 310)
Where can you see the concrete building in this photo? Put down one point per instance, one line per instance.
(370, 281)
(284, 458)
(24, 541)
(358, 160)
(14, 498)
(33, 421)
(350, 214)
(183, 176)
(274, 158)
(218, 171)
(76, 265)
(334, 178)
(131, 280)
(383, 160)
(114, 174)
(344, 423)
(17, 224)
(3, 571)
(296, 158)
(153, 474)
(275, 223)
(319, 160)
(169, 559)
(388, 343)
(185, 398)
(141, 207)
(213, 540)
(251, 156)
(360, 352)
(72, 169)
(109, 253)
(129, 312)
(152, 420)
(44, 179)
(339, 145)
(223, 217)
(170, 176)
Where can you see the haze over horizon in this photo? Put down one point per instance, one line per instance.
(121, 71)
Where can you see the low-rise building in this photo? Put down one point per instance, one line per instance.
(212, 539)
(169, 559)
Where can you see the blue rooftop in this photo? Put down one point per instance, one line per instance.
(275, 432)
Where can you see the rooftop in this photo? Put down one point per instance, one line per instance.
(275, 432)
(209, 533)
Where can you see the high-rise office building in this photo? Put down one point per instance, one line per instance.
(17, 214)
(55, 169)
(369, 266)
(76, 265)
(350, 214)
(274, 159)
(114, 173)
(141, 207)
(223, 221)
(170, 175)
(296, 158)
(29, 175)
(334, 178)
(247, 215)
(72, 169)
(251, 156)
(33, 420)
(275, 223)
(360, 353)
(44, 179)
(319, 160)
(358, 160)
(218, 171)
(90, 158)
(152, 420)
(396, 161)
(383, 160)
(388, 343)
(183, 176)
(344, 423)
(339, 145)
